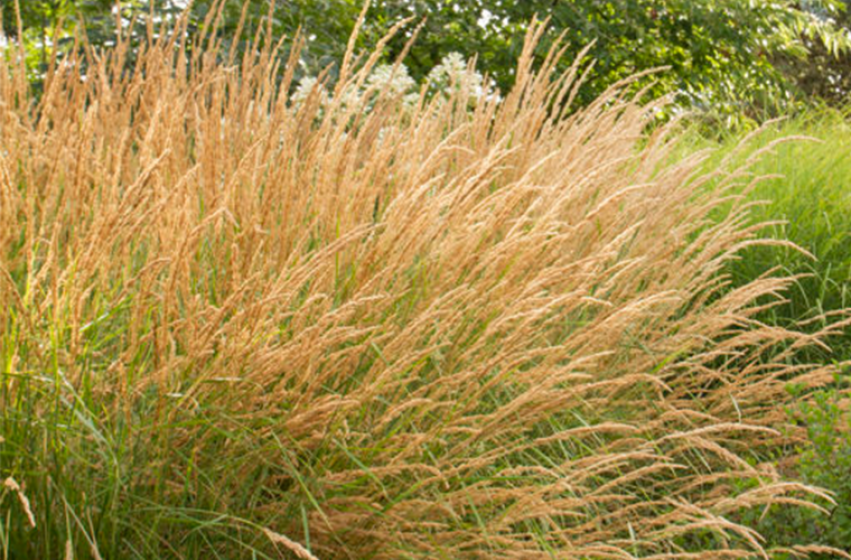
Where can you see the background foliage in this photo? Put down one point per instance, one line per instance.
(734, 58)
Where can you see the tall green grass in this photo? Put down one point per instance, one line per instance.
(806, 191)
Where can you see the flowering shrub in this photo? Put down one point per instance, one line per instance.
(453, 74)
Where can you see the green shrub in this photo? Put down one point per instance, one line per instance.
(823, 459)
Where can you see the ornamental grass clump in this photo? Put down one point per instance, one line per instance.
(235, 326)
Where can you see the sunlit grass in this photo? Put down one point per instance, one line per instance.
(462, 328)
(805, 192)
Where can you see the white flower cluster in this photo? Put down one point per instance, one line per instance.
(305, 88)
(397, 83)
(452, 74)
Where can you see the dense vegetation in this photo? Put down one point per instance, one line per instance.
(737, 59)
(807, 193)
(254, 309)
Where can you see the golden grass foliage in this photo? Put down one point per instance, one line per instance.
(487, 332)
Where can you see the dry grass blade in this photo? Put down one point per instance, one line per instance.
(12, 485)
(291, 545)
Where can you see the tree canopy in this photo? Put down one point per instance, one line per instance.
(730, 56)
